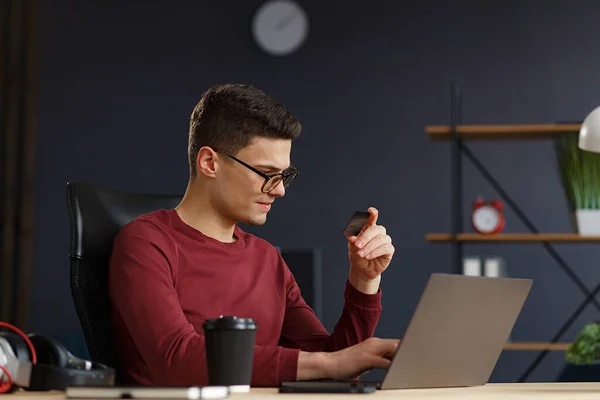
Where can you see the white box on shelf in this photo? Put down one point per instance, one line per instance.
(471, 266)
(494, 267)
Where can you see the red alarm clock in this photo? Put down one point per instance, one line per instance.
(488, 218)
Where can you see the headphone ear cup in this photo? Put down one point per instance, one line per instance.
(18, 345)
(49, 350)
(6, 354)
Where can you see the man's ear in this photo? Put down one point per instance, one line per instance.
(207, 162)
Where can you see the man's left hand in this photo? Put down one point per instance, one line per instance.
(370, 254)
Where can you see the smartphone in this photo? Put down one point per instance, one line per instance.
(326, 387)
(356, 223)
(150, 392)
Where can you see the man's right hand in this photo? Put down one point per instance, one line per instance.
(348, 363)
(355, 360)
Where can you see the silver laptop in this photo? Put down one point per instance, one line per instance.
(454, 338)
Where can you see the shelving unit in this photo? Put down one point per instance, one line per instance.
(536, 346)
(511, 237)
(495, 132)
(457, 134)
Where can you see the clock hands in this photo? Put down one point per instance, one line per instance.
(286, 21)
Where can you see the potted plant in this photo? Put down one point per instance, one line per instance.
(580, 176)
(585, 349)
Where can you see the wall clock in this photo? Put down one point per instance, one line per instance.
(280, 27)
(488, 218)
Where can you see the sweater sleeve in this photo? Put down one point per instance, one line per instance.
(144, 298)
(302, 329)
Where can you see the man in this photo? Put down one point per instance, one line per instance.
(172, 269)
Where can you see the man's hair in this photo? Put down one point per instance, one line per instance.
(228, 116)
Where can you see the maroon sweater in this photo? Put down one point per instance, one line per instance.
(166, 278)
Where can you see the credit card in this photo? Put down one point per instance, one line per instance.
(358, 220)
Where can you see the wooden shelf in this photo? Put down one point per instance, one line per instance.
(512, 237)
(536, 346)
(487, 132)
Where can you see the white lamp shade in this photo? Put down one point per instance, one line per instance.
(589, 134)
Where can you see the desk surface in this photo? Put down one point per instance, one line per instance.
(491, 391)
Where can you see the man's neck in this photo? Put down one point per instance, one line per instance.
(196, 211)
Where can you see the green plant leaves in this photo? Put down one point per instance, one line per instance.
(585, 348)
(579, 171)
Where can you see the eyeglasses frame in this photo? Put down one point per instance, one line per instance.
(294, 172)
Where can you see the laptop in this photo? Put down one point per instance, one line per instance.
(454, 338)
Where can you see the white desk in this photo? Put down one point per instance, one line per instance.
(563, 391)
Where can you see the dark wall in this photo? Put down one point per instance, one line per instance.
(118, 81)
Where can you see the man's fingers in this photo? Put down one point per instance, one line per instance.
(374, 214)
(386, 249)
(377, 242)
(386, 347)
(351, 246)
(378, 362)
(372, 221)
(390, 348)
(371, 353)
(365, 237)
(361, 240)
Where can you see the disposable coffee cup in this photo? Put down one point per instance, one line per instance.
(229, 342)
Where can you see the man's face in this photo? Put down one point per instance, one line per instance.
(239, 196)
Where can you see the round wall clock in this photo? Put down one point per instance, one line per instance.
(280, 27)
(488, 218)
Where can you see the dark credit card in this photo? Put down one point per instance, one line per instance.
(358, 220)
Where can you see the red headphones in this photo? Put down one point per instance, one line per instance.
(38, 362)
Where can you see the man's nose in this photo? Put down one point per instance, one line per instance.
(278, 191)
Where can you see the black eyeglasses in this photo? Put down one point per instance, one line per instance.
(271, 180)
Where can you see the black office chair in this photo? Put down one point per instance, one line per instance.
(96, 216)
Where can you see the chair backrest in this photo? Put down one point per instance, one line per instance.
(96, 216)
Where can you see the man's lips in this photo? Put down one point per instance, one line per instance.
(265, 206)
